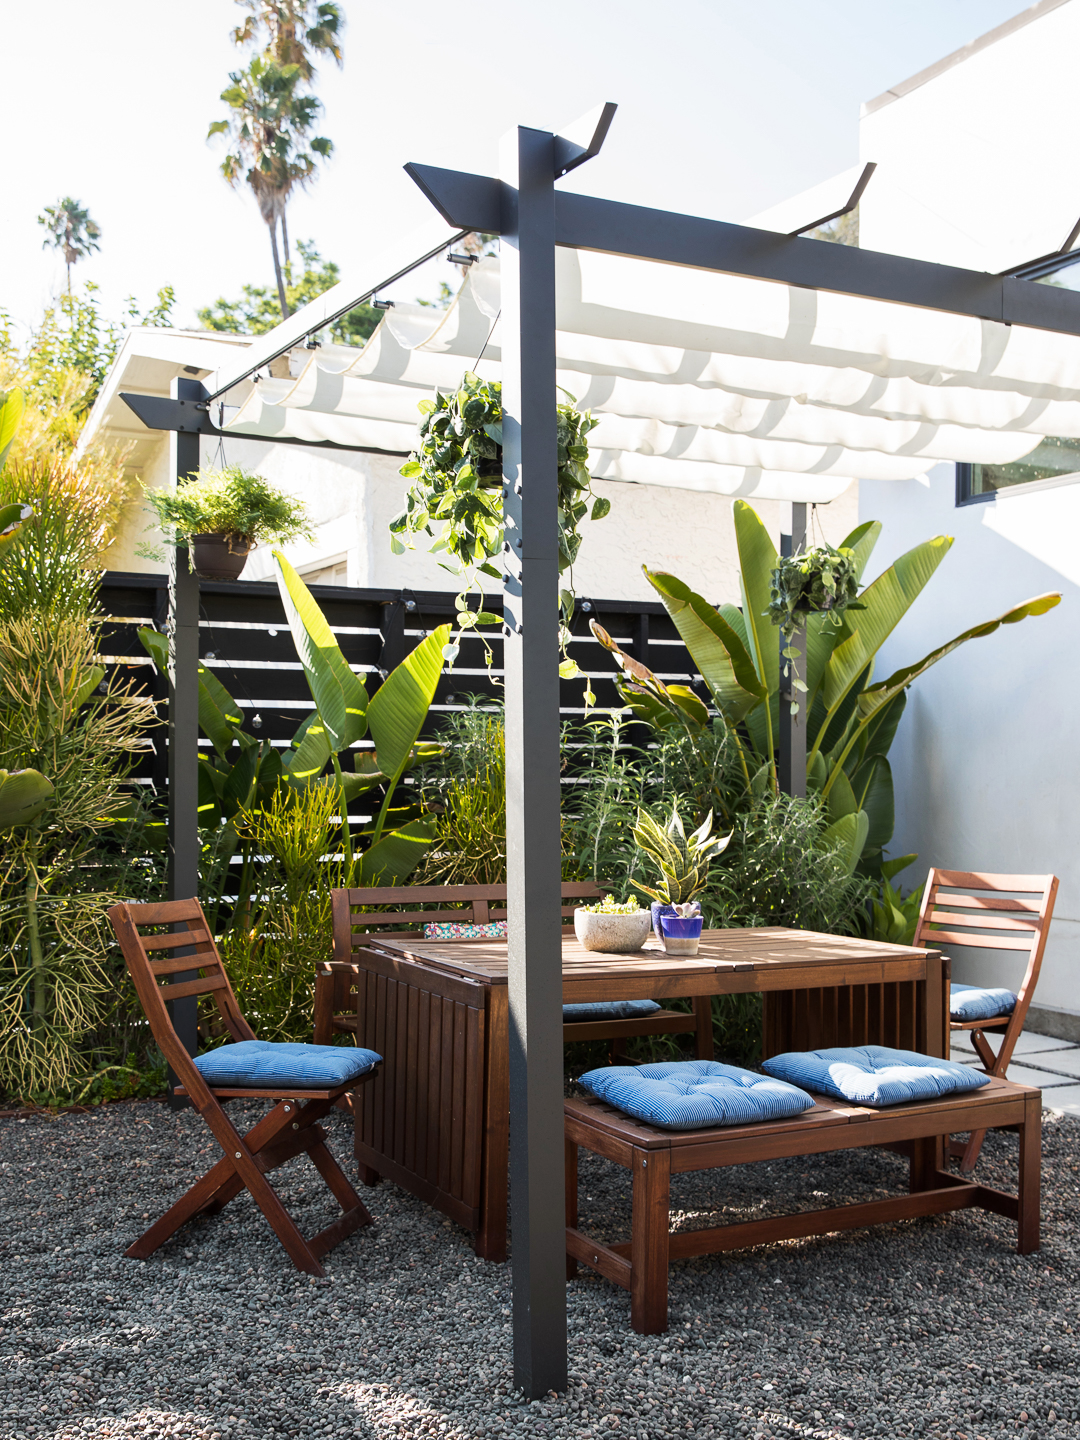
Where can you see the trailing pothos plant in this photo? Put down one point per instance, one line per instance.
(850, 721)
(456, 477)
(241, 775)
(819, 581)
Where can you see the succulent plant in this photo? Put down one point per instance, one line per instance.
(683, 861)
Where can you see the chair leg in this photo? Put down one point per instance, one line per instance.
(1027, 1239)
(571, 1202)
(649, 1244)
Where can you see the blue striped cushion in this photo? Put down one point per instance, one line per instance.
(263, 1064)
(875, 1075)
(610, 1010)
(968, 1002)
(693, 1094)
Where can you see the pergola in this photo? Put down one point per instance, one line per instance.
(718, 357)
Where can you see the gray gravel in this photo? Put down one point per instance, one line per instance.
(931, 1328)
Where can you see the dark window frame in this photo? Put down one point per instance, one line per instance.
(963, 487)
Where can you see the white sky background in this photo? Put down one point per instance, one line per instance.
(725, 107)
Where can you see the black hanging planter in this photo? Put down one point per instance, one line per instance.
(219, 556)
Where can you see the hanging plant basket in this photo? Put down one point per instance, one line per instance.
(219, 556)
(818, 581)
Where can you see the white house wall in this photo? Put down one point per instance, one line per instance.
(975, 169)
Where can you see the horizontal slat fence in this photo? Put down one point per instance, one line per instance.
(245, 640)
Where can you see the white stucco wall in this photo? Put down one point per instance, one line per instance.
(974, 170)
(351, 499)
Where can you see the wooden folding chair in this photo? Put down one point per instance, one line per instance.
(290, 1128)
(989, 912)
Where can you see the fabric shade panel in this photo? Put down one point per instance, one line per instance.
(706, 381)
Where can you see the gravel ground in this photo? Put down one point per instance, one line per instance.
(930, 1328)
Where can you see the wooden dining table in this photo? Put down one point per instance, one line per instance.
(436, 1120)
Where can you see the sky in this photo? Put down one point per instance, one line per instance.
(725, 107)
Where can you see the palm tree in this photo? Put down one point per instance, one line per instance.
(71, 230)
(272, 114)
(271, 151)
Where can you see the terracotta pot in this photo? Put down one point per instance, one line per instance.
(214, 559)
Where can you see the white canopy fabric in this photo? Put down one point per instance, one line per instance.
(705, 381)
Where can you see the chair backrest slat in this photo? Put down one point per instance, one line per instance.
(203, 986)
(209, 976)
(991, 912)
(477, 905)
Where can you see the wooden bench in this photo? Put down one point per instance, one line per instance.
(336, 997)
(652, 1156)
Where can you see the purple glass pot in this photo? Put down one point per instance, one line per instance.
(681, 935)
(658, 908)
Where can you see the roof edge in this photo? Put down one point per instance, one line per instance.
(1008, 27)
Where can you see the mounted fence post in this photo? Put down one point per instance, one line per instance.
(791, 770)
(183, 730)
(531, 650)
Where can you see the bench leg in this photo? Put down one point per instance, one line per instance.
(649, 1245)
(1027, 1239)
(704, 1033)
(926, 1159)
(571, 1202)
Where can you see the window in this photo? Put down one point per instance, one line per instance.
(1053, 458)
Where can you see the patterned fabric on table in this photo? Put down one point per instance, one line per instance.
(610, 1010)
(874, 1074)
(968, 1002)
(262, 1064)
(496, 930)
(695, 1094)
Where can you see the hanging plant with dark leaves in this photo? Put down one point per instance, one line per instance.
(456, 482)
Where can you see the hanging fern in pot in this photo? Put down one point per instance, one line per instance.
(456, 483)
(819, 581)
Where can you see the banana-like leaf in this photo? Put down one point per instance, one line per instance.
(12, 518)
(757, 561)
(24, 794)
(861, 543)
(646, 696)
(239, 788)
(849, 832)
(877, 696)
(842, 799)
(220, 718)
(339, 694)
(393, 858)
(92, 678)
(12, 404)
(885, 603)
(891, 868)
(310, 753)
(696, 711)
(878, 736)
(873, 788)
(400, 705)
(715, 647)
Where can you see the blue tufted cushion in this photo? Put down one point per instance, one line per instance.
(694, 1094)
(262, 1064)
(610, 1010)
(874, 1075)
(968, 1002)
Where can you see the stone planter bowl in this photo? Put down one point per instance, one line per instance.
(615, 934)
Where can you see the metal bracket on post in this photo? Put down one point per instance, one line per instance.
(183, 730)
(791, 769)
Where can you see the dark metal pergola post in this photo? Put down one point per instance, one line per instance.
(183, 727)
(531, 650)
(791, 767)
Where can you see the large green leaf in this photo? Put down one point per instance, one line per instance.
(310, 753)
(873, 788)
(401, 703)
(12, 404)
(393, 858)
(849, 833)
(877, 696)
(24, 794)
(757, 561)
(716, 649)
(861, 542)
(842, 800)
(220, 718)
(339, 694)
(885, 602)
